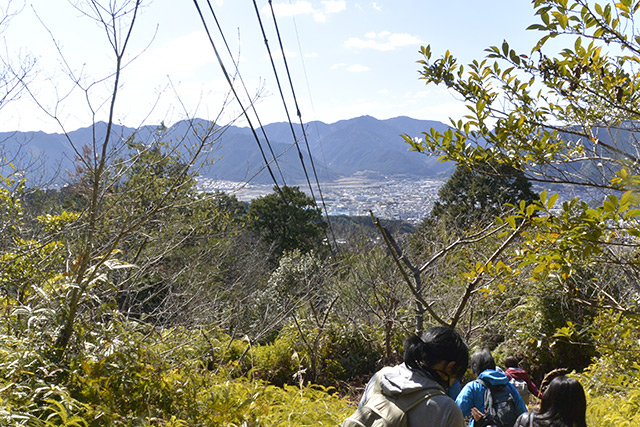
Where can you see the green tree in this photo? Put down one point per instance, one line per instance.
(474, 196)
(288, 220)
(563, 117)
(566, 114)
(102, 236)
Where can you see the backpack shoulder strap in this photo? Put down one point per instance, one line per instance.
(483, 383)
(412, 400)
(378, 406)
(488, 397)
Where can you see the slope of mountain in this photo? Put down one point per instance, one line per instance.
(362, 145)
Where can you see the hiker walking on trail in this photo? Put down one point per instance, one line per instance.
(563, 405)
(520, 379)
(491, 400)
(415, 392)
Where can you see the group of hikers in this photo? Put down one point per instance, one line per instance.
(426, 390)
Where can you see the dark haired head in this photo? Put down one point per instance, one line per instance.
(564, 400)
(436, 345)
(511, 362)
(481, 361)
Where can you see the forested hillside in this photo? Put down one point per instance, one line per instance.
(130, 299)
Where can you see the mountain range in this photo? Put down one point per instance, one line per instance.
(362, 146)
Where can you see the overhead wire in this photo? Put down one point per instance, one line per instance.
(306, 79)
(253, 108)
(233, 90)
(299, 114)
(286, 109)
(244, 110)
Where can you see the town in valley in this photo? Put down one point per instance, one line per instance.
(393, 198)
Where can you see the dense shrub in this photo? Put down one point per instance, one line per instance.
(350, 354)
(613, 379)
(132, 375)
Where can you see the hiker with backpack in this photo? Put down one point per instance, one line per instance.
(490, 400)
(520, 379)
(414, 393)
(563, 405)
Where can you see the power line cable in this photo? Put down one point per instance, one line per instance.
(275, 71)
(235, 94)
(253, 108)
(306, 79)
(299, 114)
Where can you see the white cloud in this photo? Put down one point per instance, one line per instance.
(306, 8)
(383, 92)
(358, 68)
(355, 68)
(320, 17)
(334, 6)
(311, 55)
(376, 7)
(383, 41)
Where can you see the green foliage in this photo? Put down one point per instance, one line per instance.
(11, 210)
(126, 376)
(534, 330)
(474, 196)
(613, 379)
(140, 383)
(614, 410)
(352, 354)
(288, 220)
(276, 362)
(562, 117)
(617, 369)
(105, 286)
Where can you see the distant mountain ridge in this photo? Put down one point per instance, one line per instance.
(359, 146)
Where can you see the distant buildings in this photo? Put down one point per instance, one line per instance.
(395, 198)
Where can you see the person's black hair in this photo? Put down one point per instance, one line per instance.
(511, 362)
(481, 361)
(563, 403)
(437, 344)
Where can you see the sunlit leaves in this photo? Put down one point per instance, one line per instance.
(548, 109)
(56, 223)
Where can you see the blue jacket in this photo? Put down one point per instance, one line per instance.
(473, 393)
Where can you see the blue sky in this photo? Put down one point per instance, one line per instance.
(347, 58)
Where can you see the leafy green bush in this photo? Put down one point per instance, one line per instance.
(166, 382)
(613, 379)
(617, 410)
(350, 354)
(275, 362)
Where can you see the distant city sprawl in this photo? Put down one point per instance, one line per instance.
(395, 198)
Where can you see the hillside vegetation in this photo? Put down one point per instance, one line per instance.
(130, 299)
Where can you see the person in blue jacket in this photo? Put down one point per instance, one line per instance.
(471, 398)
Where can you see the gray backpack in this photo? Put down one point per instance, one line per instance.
(499, 405)
(522, 387)
(384, 411)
